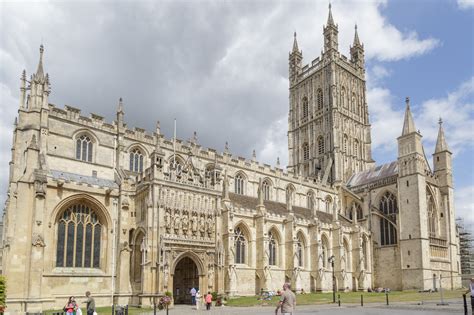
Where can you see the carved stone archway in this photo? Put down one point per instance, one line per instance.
(187, 272)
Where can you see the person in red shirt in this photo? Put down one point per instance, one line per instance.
(71, 306)
(208, 300)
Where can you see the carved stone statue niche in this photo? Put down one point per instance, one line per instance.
(202, 225)
(194, 223)
(185, 223)
(167, 220)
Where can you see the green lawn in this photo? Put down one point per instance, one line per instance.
(108, 310)
(350, 297)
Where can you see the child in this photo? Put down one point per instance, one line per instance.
(71, 306)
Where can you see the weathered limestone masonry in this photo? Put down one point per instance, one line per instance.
(129, 215)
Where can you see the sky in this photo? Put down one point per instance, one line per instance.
(221, 69)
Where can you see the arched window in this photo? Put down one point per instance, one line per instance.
(310, 200)
(136, 160)
(272, 249)
(320, 145)
(305, 107)
(305, 151)
(84, 148)
(240, 246)
(358, 211)
(266, 190)
(345, 140)
(320, 99)
(328, 202)
(353, 102)
(300, 250)
(324, 251)
(356, 148)
(79, 238)
(432, 216)
(388, 207)
(239, 184)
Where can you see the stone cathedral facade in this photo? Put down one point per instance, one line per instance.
(129, 214)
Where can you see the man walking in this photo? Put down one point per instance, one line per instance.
(193, 296)
(471, 291)
(287, 301)
(90, 304)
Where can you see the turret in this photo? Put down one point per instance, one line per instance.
(442, 159)
(295, 61)
(39, 86)
(330, 34)
(357, 51)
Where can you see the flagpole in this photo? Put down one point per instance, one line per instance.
(174, 144)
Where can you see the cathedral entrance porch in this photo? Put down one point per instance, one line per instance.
(186, 276)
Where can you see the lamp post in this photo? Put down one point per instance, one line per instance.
(331, 260)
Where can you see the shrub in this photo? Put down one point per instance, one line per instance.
(168, 293)
(3, 293)
(214, 295)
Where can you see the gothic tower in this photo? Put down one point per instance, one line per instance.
(328, 121)
(412, 191)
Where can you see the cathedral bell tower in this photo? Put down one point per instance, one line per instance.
(328, 120)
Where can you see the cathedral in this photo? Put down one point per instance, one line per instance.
(130, 214)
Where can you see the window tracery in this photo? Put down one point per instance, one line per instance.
(84, 148)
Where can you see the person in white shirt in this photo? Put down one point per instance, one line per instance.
(193, 296)
(198, 299)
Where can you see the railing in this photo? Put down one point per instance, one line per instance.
(438, 242)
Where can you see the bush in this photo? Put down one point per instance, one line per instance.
(168, 293)
(214, 295)
(3, 293)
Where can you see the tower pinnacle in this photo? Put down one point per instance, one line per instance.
(295, 44)
(408, 123)
(441, 144)
(356, 37)
(39, 71)
(330, 19)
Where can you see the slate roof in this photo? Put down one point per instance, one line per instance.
(278, 208)
(373, 174)
(89, 180)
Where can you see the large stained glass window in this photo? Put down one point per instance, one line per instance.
(79, 238)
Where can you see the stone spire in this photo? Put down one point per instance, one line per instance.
(295, 44)
(330, 19)
(408, 123)
(39, 71)
(120, 106)
(441, 144)
(356, 37)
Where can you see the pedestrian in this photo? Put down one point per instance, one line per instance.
(90, 309)
(471, 291)
(287, 301)
(198, 299)
(71, 306)
(208, 301)
(193, 296)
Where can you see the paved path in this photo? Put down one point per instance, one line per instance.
(409, 308)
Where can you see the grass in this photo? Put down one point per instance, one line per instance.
(108, 310)
(350, 297)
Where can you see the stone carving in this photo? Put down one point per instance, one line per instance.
(210, 275)
(168, 220)
(37, 241)
(202, 225)
(194, 223)
(185, 223)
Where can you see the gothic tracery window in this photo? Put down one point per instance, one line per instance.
(432, 217)
(388, 207)
(328, 203)
(305, 151)
(266, 190)
(84, 148)
(240, 245)
(136, 160)
(305, 107)
(239, 184)
(324, 251)
(272, 249)
(345, 140)
(79, 238)
(320, 99)
(320, 145)
(300, 251)
(356, 148)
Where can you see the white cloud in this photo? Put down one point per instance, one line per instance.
(466, 4)
(464, 204)
(457, 111)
